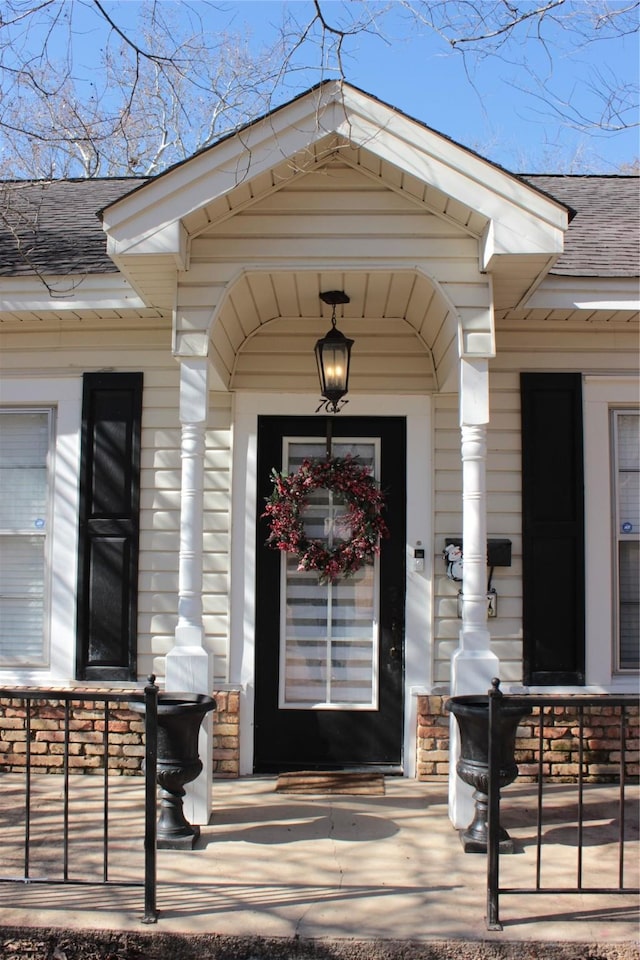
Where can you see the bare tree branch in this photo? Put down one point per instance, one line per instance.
(159, 90)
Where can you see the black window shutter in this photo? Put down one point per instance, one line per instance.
(553, 528)
(109, 526)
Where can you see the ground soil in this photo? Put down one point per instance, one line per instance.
(56, 944)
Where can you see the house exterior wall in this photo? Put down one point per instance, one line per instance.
(86, 739)
(592, 348)
(69, 349)
(596, 349)
(503, 520)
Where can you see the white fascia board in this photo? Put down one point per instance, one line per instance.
(413, 138)
(519, 235)
(516, 229)
(137, 218)
(170, 240)
(71, 292)
(586, 293)
(487, 247)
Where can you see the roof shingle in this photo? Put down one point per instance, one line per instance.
(603, 239)
(51, 227)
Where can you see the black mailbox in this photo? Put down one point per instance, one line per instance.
(498, 550)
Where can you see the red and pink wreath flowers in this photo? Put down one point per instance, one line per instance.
(363, 520)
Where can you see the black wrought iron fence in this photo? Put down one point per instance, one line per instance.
(546, 711)
(92, 817)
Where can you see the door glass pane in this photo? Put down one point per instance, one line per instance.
(328, 632)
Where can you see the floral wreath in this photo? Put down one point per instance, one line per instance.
(363, 520)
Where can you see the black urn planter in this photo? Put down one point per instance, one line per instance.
(472, 715)
(179, 719)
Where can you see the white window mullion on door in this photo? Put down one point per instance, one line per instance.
(329, 645)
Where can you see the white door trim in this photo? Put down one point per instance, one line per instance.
(419, 614)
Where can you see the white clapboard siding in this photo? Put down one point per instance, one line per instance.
(332, 160)
(85, 345)
(387, 356)
(160, 517)
(343, 245)
(503, 509)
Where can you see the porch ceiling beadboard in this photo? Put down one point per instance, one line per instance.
(265, 334)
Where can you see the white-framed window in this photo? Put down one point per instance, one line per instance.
(625, 430)
(41, 421)
(26, 444)
(611, 411)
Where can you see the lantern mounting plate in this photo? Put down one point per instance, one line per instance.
(334, 297)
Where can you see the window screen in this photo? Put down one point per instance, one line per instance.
(627, 514)
(25, 438)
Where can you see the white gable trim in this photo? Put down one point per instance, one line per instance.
(419, 142)
(216, 171)
(524, 219)
(522, 223)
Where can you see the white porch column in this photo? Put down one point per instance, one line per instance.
(473, 664)
(189, 665)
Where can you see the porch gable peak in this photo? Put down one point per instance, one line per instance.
(295, 138)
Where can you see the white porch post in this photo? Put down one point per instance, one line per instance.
(473, 664)
(189, 665)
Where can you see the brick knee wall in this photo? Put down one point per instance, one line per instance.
(226, 734)
(126, 746)
(86, 730)
(433, 738)
(560, 744)
(560, 758)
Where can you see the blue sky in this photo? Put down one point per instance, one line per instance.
(488, 105)
(416, 72)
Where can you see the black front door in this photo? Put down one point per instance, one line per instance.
(329, 659)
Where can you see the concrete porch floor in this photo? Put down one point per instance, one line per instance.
(371, 868)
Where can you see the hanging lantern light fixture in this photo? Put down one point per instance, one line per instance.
(333, 353)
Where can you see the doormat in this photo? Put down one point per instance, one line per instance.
(332, 781)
